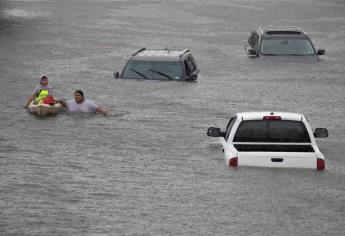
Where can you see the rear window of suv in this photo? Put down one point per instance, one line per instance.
(276, 131)
(286, 46)
(138, 69)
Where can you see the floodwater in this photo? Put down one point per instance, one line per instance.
(149, 168)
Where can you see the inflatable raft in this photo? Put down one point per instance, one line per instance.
(42, 110)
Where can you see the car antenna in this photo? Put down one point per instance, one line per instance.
(166, 46)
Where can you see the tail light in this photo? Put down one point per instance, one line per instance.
(233, 161)
(320, 164)
(272, 118)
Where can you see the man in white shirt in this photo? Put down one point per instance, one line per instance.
(80, 104)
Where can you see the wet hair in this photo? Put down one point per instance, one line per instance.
(79, 92)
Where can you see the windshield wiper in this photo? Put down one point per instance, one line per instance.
(139, 73)
(284, 54)
(161, 73)
(294, 54)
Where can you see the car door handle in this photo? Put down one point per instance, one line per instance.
(277, 159)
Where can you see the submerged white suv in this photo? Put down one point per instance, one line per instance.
(271, 139)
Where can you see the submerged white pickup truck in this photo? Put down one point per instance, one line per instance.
(271, 139)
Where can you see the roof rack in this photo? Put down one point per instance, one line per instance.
(184, 51)
(271, 32)
(140, 50)
(281, 29)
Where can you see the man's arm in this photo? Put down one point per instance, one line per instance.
(32, 97)
(102, 110)
(62, 102)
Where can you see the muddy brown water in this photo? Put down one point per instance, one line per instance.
(149, 168)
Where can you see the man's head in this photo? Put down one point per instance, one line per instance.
(79, 96)
(44, 80)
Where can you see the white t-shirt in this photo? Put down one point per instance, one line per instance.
(85, 106)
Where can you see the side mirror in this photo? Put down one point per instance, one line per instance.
(321, 52)
(116, 75)
(251, 51)
(193, 76)
(214, 132)
(321, 133)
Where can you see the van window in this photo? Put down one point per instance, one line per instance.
(186, 67)
(253, 40)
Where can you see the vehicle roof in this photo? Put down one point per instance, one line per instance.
(259, 115)
(283, 31)
(159, 54)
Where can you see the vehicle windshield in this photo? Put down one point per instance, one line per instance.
(272, 131)
(287, 46)
(169, 70)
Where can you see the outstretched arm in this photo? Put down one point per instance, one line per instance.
(62, 102)
(102, 110)
(29, 100)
